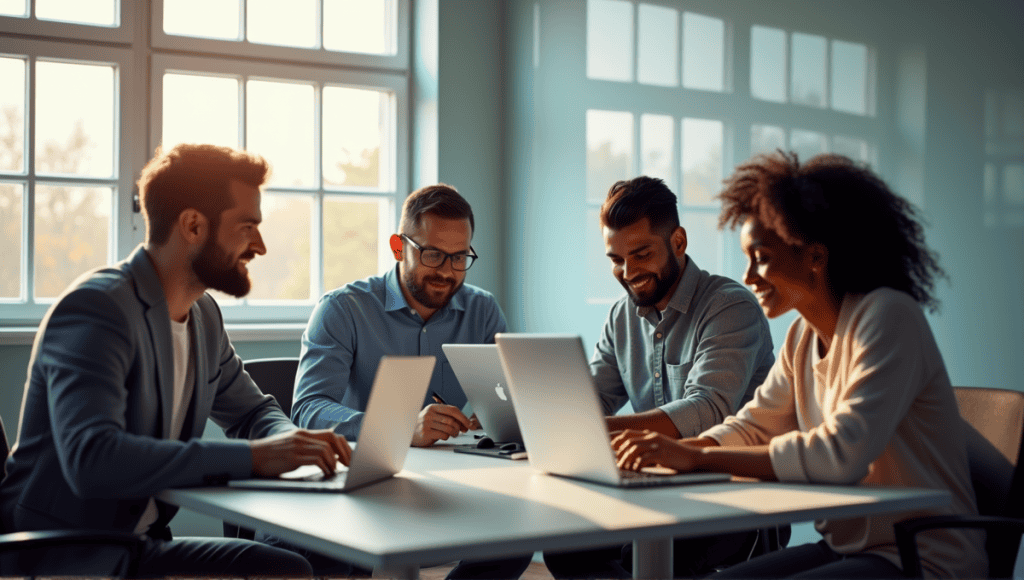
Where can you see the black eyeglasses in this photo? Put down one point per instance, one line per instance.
(434, 258)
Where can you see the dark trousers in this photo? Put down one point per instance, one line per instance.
(501, 569)
(218, 557)
(691, 557)
(810, 561)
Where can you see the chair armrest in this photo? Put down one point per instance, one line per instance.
(47, 538)
(907, 530)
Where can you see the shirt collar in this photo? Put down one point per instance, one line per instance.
(395, 300)
(683, 295)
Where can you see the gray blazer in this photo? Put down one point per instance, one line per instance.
(91, 446)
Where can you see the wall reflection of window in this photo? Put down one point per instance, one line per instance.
(646, 48)
(1003, 184)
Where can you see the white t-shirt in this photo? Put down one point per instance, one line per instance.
(184, 379)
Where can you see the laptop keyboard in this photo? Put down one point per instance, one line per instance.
(639, 478)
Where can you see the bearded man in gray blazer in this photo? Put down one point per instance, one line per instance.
(130, 362)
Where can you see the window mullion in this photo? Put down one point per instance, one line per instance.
(316, 243)
(28, 211)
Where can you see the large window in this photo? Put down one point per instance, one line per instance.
(665, 103)
(318, 87)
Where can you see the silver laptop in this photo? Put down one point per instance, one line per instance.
(478, 368)
(396, 398)
(560, 415)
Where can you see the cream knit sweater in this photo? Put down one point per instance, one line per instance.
(878, 409)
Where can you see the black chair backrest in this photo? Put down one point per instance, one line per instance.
(995, 426)
(275, 377)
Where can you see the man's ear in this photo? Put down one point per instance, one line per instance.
(396, 246)
(679, 241)
(193, 225)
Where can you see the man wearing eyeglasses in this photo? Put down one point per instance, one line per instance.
(420, 304)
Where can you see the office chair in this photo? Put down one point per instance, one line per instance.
(275, 377)
(994, 431)
(32, 553)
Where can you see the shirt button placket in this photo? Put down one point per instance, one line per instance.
(659, 354)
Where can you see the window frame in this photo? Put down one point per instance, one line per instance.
(27, 309)
(295, 311)
(244, 48)
(123, 33)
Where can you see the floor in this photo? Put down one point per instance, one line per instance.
(536, 571)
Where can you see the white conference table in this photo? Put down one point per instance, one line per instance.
(447, 506)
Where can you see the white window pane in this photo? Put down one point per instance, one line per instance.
(200, 109)
(1013, 185)
(366, 26)
(850, 77)
(610, 40)
(279, 126)
(768, 64)
(990, 188)
(74, 136)
(71, 236)
(601, 284)
(807, 144)
(351, 238)
(12, 114)
(658, 46)
(283, 273)
(766, 138)
(291, 23)
(808, 86)
(703, 52)
(14, 7)
(609, 151)
(98, 12)
(354, 129)
(656, 146)
(204, 18)
(705, 247)
(702, 161)
(10, 239)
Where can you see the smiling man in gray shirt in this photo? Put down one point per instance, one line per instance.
(686, 348)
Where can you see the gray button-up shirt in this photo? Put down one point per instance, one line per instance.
(699, 361)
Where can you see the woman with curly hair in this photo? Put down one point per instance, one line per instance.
(859, 393)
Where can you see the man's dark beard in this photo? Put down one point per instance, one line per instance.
(662, 284)
(214, 269)
(423, 297)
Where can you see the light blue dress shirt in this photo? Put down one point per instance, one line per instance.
(698, 361)
(354, 326)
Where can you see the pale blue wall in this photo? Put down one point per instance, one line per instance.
(936, 60)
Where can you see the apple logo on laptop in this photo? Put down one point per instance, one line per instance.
(501, 392)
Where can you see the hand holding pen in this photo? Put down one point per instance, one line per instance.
(440, 421)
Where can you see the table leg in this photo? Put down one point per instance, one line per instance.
(398, 572)
(652, 559)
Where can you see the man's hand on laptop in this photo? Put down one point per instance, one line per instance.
(438, 422)
(277, 454)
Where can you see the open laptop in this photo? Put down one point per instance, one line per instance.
(560, 414)
(396, 398)
(478, 368)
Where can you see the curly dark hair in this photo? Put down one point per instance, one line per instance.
(873, 236)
